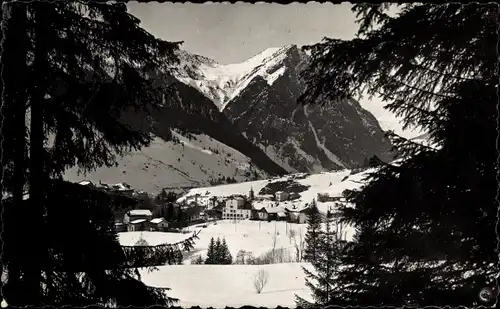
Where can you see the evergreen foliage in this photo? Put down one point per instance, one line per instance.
(313, 233)
(80, 69)
(218, 252)
(226, 257)
(321, 280)
(425, 224)
(86, 262)
(211, 254)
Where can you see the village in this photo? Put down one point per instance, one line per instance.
(183, 212)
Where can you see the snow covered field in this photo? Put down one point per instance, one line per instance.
(251, 236)
(232, 285)
(229, 285)
(219, 286)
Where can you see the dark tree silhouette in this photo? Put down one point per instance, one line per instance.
(425, 225)
(313, 233)
(80, 69)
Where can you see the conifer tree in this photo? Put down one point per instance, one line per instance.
(313, 233)
(321, 280)
(219, 251)
(79, 68)
(425, 225)
(227, 258)
(211, 254)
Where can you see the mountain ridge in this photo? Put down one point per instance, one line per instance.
(259, 95)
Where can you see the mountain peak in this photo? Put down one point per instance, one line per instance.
(222, 83)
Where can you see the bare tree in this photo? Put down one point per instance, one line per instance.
(291, 234)
(260, 280)
(274, 239)
(299, 247)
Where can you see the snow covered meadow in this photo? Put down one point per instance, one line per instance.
(229, 285)
(232, 285)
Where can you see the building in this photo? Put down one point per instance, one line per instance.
(262, 214)
(236, 208)
(158, 224)
(281, 196)
(213, 214)
(137, 214)
(272, 214)
(138, 225)
(212, 202)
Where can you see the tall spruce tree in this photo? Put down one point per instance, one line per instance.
(78, 68)
(226, 257)
(211, 254)
(321, 280)
(218, 251)
(426, 224)
(313, 233)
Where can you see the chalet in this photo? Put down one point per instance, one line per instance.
(262, 214)
(325, 197)
(87, 183)
(158, 224)
(272, 214)
(237, 208)
(138, 225)
(137, 214)
(281, 196)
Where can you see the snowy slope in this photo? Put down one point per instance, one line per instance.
(222, 83)
(229, 285)
(219, 286)
(251, 236)
(186, 163)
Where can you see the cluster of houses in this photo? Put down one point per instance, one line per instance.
(274, 207)
(141, 220)
(263, 207)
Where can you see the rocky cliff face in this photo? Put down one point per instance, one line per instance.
(304, 139)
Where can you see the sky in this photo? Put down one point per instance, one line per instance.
(232, 33)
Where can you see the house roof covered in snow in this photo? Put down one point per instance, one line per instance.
(157, 220)
(85, 182)
(137, 221)
(140, 212)
(272, 210)
(121, 186)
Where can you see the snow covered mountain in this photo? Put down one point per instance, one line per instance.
(191, 160)
(195, 145)
(259, 96)
(222, 83)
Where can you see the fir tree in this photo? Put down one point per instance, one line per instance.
(326, 265)
(312, 237)
(227, 258)
(89, 64)
(424, 225)
(219, 252)
(211, 254)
